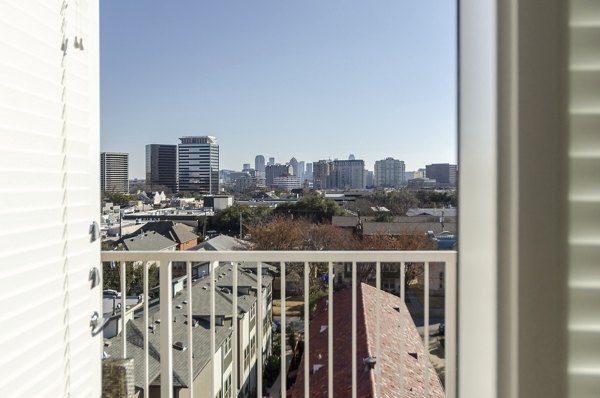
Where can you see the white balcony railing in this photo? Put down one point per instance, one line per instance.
(279, 260)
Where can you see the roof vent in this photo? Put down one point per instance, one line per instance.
(184, 302)
(179, 346)
(178, 306)
(369, 363)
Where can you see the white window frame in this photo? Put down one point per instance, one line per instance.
(512, 282)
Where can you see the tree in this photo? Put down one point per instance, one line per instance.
(382, 241)
(228, 220)
(134, 275)
(312, 207)
(117, 198)
(398, 202)
(285, 234)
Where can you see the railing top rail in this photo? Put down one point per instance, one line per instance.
(286, 256)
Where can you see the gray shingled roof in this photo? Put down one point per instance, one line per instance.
(201, 334)
(221, 243)
(135, 347)
(146, 241)
(169, 229)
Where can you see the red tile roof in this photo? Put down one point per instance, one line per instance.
(393, 360)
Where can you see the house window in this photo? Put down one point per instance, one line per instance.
(252, 346)
(227, 388)
(227, 345)
(246, 357)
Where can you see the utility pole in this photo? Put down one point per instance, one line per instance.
(442, 220)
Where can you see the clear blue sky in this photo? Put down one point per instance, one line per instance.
(313, 79)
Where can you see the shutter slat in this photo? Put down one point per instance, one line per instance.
(49, 178)
(584, 197)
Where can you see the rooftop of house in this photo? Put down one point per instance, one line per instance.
(220, 243)
(400, 228)
(146, 241)
(436, 212)
(201, 333)
(394, 359)
(177, 232)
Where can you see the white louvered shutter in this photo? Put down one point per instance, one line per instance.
(584, 234)
(49, 196)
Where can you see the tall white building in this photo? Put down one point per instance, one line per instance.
(259, 165)
(294, 164)
(199, 164)
(287, 182)
(389, 173)
(114, 172)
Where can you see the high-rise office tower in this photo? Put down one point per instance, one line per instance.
(114, 172)
(368, 178)
(389, 173)
(294, 164)
(271, 162)
(246, 168)
(301, 169)
(161, 166)
(199, 164)
(348, 174)
(443, 173)
(276, 170)
(259, 165)
(321, 172)
(308, 175)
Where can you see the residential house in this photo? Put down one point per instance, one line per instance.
(379, 373)
(247, 335)
(177, 232)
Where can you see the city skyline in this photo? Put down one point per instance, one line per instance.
(338, 78)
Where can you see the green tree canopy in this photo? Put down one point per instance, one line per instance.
(228, 220)
(312, 207)
(117, 198)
